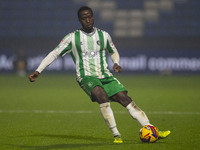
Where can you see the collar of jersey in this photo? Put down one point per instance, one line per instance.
(91, 33)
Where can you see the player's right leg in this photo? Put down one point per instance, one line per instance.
(99, 95)
(93, 87)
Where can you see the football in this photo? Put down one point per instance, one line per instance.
(148, 134)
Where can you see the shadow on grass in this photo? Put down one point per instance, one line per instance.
(70, 145)
(75, 137)
(59, 146)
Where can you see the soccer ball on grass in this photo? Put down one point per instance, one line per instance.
(148, 134)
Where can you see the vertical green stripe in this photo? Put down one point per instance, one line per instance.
(69, 47)
(90, 43)
(110, 50)
(78, 47)
(101, 38)
(92, 67)
(73, 57)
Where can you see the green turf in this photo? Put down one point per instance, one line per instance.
(55, 114)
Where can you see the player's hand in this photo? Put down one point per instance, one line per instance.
(117, 68)
(33, 76)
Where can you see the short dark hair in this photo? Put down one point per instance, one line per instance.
(82, 9)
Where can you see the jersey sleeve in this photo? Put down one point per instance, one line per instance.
(47, 61)
(110, 45)
(65, 45)
(112, 50)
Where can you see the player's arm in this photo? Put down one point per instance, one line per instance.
(114, 55)
(115, 59)
(32, 77)
(64, 47)
(45, 62)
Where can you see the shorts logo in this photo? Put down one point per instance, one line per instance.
(89, 84)
(99, 43)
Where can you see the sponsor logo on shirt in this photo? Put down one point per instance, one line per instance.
(99, 42)
(90, 53)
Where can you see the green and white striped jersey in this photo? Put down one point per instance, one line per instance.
(88, 52)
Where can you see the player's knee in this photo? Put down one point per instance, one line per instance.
(136, 107)
(98, 94)
(104, 105)
(98, 91)
(123, 98)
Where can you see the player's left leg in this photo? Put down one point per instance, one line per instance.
(135, 111)
(117, 92)
(132, 108)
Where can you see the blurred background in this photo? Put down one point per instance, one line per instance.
(152, 36)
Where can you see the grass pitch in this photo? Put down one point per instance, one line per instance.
(55, 114)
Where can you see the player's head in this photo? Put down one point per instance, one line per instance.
(85, 16)
(83, 8)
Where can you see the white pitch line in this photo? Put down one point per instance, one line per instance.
(90, 112)
(173, 113)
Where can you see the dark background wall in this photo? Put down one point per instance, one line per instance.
(153, 28)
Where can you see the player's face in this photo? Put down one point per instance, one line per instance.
(87, 20)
